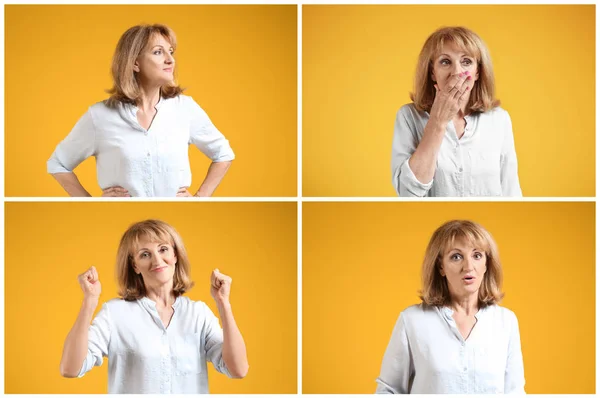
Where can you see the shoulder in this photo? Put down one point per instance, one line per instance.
(497, 113)
(501, 314)
(417, 312)
(410, 111)
(119, 305)
(198, 308)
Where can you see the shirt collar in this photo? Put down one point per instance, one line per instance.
(151, 305)
(134, 108)
(447, 312)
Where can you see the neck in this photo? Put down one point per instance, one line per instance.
(162, 295)
(149, 97)
(466, 305)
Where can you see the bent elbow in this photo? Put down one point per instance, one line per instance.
(240, 373)
(67, 372)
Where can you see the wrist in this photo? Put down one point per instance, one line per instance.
(91, 302)
(223, 305)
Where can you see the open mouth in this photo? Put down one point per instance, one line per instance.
(469, 279)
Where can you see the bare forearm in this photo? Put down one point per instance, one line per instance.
(234, 348)
(76, 343)
(423, 161)
(71, 184)
(215, 174)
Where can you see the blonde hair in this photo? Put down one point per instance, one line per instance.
(482, 96)
(131, 285)
(435, 291)
(126, 87)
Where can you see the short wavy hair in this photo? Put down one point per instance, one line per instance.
(434, 290)
(131, 285)
(126, 87)
(482, 97)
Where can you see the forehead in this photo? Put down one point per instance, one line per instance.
(158, 39)
(466, 241)
(150, 238)
(452, 48)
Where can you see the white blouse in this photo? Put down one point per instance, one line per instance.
(151, 162)
(483, 162)
(145, 357)
(428, 355)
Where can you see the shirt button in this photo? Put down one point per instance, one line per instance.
(460, 169)
(148, 154)
(465, 369)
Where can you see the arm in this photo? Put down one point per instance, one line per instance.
(70, 152)
(514, 377)
(397, 369)
(509, 176)
(209, 140)
(85, 345)
(215, 174)
(71, 184)
(76, 344)
(234, 348)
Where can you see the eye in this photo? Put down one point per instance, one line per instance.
(144, 255)
(467, 61)
(478, 256)
(455, 257)
(157, 52)
(164, 249)
(445, 61)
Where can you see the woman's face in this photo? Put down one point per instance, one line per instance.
(155, 261)
(464, 266)
(453, 61)
(156, 64)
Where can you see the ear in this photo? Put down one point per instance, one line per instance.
(136, 66)
(442, 272)
(135, 268)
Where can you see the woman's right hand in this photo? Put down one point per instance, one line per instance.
(115, 192)
(451, 98)
(90, 284)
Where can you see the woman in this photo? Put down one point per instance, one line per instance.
(156, 340)
(454, 139)
(458, 340)
(140, 135)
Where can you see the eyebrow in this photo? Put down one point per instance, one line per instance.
(159, 244)
(461, 55)
(159, 45)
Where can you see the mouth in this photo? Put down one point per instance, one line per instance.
(159, 269)
(469, 279)
(168, 70)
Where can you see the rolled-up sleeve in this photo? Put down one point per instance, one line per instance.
(509, 176)
(75, 148)
(403, 146)
(514, 378)
(397, 369)
(98, 341)
(213, 342)
(205, 136)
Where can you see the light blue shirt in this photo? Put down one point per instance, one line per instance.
(144, 357)
(428, 355)
(151, 162)
(483, 162)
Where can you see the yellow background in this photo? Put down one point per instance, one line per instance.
(359, 64)
(49, 244)
(362, 267)
(238, 62)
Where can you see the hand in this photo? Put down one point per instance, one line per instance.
(115, 192)
(452, 98)
(183, 193)
(90, 284)
(220, 286)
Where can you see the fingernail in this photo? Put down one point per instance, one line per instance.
(460, 74)
(468, 77)
(467, 72)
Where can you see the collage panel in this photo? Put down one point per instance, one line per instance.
(368, 266)
(372, 126)
(254, 244)
(237, 65)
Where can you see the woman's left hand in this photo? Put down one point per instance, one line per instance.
(183, 193)
(220, 286)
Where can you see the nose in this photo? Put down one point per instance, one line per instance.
(456, 68)
(469, 264)
(169, 59)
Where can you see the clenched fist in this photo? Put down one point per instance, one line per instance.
(220, 286)
(90, 284)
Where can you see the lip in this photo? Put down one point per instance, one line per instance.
(469, 281)
(168, 69)
(161, 269)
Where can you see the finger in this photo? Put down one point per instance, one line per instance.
(95, 274)
(456, 81)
